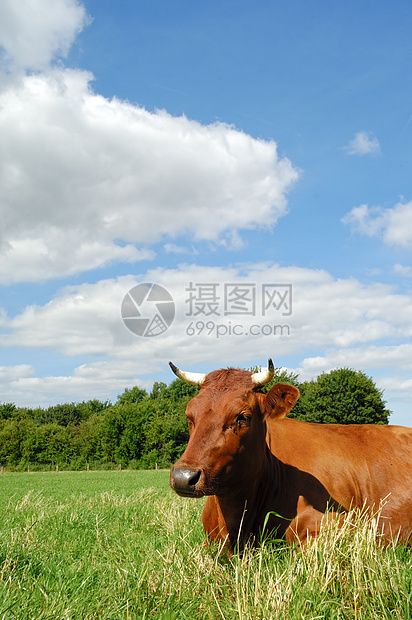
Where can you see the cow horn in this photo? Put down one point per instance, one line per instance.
(261, 378)
(194, 378)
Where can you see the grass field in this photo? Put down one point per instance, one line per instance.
(121, 545)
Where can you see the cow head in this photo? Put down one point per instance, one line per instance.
(227, 429)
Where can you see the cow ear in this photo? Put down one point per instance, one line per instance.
(280, 400)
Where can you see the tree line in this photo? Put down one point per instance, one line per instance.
(142, 430)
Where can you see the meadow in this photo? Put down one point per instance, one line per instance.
(100, 545)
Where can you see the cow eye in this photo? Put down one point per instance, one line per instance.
(243, 420)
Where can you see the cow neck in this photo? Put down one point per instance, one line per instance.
(244, 508)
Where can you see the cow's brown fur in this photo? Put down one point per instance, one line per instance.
(264, 472)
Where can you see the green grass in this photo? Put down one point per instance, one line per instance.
(121, 545)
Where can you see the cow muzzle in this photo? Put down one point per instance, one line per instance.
(185, 481)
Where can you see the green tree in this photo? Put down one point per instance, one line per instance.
(14, 433)
(50, 443)
(62, 414)
(135, 395)
(137, 420)
(342, 396)
(179, 391)
(159, 390)
(6, 410)
(88, 408)
(112, 430)
(89, 438)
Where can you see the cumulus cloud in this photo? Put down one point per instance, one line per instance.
(79, 173)
(385, 356)
(172, 248)
(364, 326)
(364, 143)
(95, 380)
(392, 225)
(87, 180)
(13, 373)
(403, 270)
(34, 32)
(86, 319)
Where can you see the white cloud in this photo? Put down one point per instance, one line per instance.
(13, 373)
(393, 225)
(79, 172)
(34, 32)
(364, 143)
(61, 253)
(87, 181)
(172, 248)
(376, 357)
(398, 230)
(102, 380)
(361, 326)
(86, 319)
(403, 270)
(365, 220)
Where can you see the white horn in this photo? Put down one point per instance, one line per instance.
(261, 378)
(193, 378)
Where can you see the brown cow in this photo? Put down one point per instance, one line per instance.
(262, 473)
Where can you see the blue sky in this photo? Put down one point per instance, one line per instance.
(237, 144)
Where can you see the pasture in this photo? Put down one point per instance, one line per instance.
(122, 545)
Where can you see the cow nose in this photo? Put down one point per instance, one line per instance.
(184, 481)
